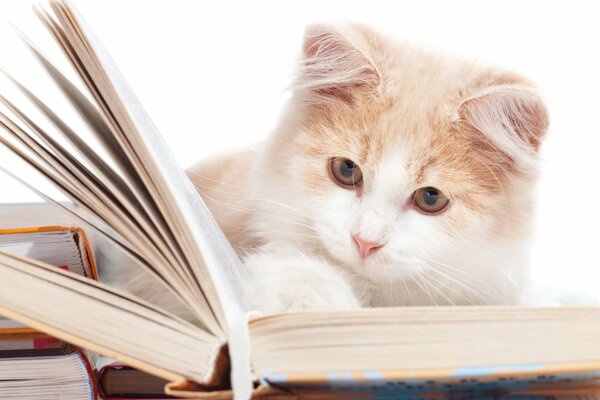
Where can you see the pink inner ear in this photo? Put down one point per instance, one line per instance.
(530, 120)
(318, 41)
(333, 67)
(512, 118)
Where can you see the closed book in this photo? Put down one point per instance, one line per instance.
(122, 382)
(66, 374)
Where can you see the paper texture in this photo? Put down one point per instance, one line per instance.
(207, 244)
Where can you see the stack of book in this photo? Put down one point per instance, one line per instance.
(144, 204)
(34, 365)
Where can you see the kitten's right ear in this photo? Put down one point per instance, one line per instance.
(335, 65)
(511, 116)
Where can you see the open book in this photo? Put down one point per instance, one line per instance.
(141, 201)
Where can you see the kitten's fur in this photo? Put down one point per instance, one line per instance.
(409, 119)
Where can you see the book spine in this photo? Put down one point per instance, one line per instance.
(91, 375)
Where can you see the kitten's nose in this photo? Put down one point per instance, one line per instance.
(364, 246)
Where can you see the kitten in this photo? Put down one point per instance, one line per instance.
(396, 177)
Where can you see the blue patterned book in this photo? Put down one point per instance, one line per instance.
(515, 382)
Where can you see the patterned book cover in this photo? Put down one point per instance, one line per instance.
(557, 381)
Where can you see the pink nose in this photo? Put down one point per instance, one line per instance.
(364, 246)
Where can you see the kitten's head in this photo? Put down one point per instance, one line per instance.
(391, 159)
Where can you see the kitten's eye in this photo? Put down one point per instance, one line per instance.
(345, 172)
(430, 200)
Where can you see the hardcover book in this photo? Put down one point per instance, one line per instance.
(122, 382)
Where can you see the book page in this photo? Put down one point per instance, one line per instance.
(110, 322)
(410, 341)
(207, 254)
(147, 205)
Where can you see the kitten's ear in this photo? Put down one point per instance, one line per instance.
(513, 117)
(335, 65)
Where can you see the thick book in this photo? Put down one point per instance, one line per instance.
(65, 373)
(141, 201)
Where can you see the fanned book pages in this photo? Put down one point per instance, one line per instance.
(141, 201)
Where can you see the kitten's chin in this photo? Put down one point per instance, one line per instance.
(384, 273)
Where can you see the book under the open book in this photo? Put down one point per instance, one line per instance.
(34, 365)
(141, 202)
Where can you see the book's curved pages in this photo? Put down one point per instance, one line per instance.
(148, 201)
(141, 200)
(207, 254)
(107, 321)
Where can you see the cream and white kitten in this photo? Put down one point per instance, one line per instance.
(395, 177)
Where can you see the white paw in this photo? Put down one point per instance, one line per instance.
(297, 283)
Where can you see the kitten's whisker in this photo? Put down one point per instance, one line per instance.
(408, 294)
(292, 233)
(468, 287)
(457, 270)
(250, 211)
(391, 286)
(253, 194)
(220, 182)
(365, 293)
(455, 291)
(418, 278)
(470, 279)
(440, 291)
(466, 281)
(240, 232)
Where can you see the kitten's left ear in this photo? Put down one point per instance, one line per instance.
(513, 117)
(336, 65)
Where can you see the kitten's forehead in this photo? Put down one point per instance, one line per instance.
(404, 143)
(404, 163)
(393, 175)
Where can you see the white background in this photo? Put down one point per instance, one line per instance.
(213, 76)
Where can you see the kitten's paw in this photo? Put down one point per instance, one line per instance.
(296, 283)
